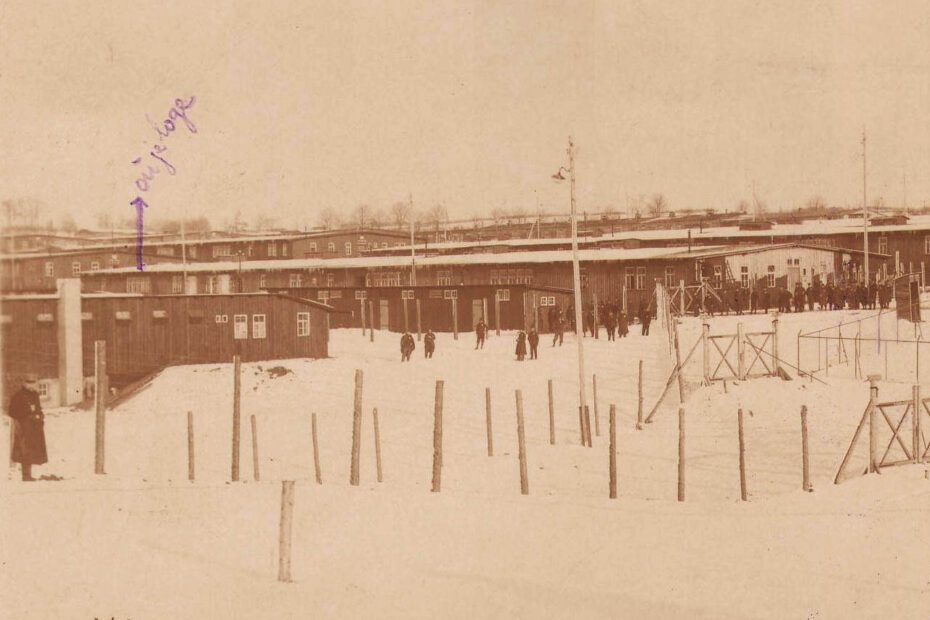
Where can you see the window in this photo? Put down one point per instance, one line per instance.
(258, 326)
(137, 285)
(450, 294)
(546, 301)
(770, 276)
(669, 277)
(335, 294)
(251, 251)
(927, 244)
(640, 278)
(322, 295)
(303, 324)
(95, 266)
(348, 247)
(212, 285)
(240, 326)
(294, 281)
(262, 280)
(443, 278)
(272, 249)
(75, 268)
(222, 250)
(435, 294)
(361, 294)
(192, 251)
(503, 294)
(630, 278)
(165, 250)
(386, 278)
(883, 244)
(49, 269)
(43, 389)
(221, 318)
(330, 279)
(744, 276)
(331, 247)
(284, 249)
(177, 284)
(313, 247)
(408, 294)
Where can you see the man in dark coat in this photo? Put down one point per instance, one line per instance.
(533, 339)
(429, 344)
(521, 345)
(28, 427)
(623, 327)
(558, 329)
(481, 330)
(407, 345)
(611, 324)
(645, 317)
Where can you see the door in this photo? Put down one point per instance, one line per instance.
(383, 314)
(191, 287)
(794, 276)
(224, 280)
(477, 312)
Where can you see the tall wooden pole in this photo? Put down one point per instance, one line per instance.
(100, 402)
(190, 446)
(419, 329)
(255, 470)
(374, 417)
(356, 429)
(284, 530)
(681, 454)
(487, 408)
(742, 457)
(639, 399)
(576, 279)
(437, 439)
(805, 462)
(371, 320)
(865, 213)
(521, 440)
(316, 452)
(597, 418)
(551, 416)
(613, 452)
(237, 393)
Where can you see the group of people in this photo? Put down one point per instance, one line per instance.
(816, 296)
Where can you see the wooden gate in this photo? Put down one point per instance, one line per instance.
(743, 355)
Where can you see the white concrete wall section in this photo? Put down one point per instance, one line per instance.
(808, 262)
(70, 341)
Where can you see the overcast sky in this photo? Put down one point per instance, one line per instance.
(306, 105)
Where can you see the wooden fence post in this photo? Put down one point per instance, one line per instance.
(361, 305)
(597, 418)
(596, 337)
(371, 320)
(374, 417)
(587, 425)
(255, 472)
(740, 353)
(497, 313)
(484, 315)
(316, 452)
(190, 446)
(551, 416)
(776, 361)
(705, 334)
(681, 297)
(419, 329)
(743, 494)
(437, 438)
(455, 318)
(915, 423)
(356, 429)
(237, 395)
(613, 452)
(873, 425)
(101, 391)
(584, 438)
(681, 454)
(678, 368)
(406, 317)
(487, 408)
(639, 398)
(284, 530)
(805, 462)
(521, 439)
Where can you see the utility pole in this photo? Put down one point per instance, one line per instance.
(413, 252)
(904, 178)
(865, 215)
(576, 276)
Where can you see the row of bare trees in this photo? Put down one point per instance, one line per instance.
(398, 215)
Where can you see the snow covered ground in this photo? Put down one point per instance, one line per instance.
(143, 542)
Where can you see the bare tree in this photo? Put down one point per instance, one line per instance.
(329, 218)
(816, 203)
(68, 224)
(377, 218)
(264, 222)
(498, 213)
(658, 205)
(436, 215)
(400, 214)
(518, 213)
(361, 216)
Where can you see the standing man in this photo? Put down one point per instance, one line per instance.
(481, 330)
(521, 345)
(28, 427)
(429, 344)
(533, 339)
(611, 324)
(558, 329)
(645, 318)
(407, 345)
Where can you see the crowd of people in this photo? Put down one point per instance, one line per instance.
(816, 296)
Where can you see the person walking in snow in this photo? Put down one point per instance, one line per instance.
(558, 329)
(407, 345)
(533, 339)
(481, 331)
(521, 345)
(429, 344)
(28, 427)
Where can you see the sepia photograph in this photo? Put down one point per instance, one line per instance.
(464, 309)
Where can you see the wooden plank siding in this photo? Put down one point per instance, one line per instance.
(28, 344)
